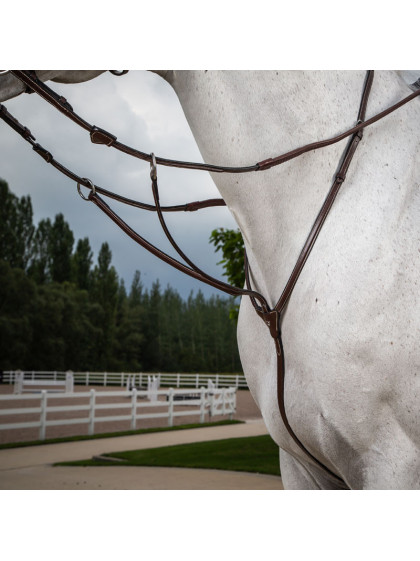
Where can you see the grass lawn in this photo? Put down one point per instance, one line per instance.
(257, 454)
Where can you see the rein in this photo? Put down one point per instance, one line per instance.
(271, 317)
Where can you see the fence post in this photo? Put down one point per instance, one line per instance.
(43, 419)
(224, 401)
(171, 407)
(105, 378)
(69, 388)
(197, 380)
(19, 377)
(237, 381)
(87, 379)
(92, 402)
(233, 405)
(133, 409)
(178, 376)
(202, 404)
(211, 405)
(217, 381)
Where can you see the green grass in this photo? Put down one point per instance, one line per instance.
(113, 434)
(257, 454)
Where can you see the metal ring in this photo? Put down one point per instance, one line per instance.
(118, 72)
(92, 187)
(153, 168)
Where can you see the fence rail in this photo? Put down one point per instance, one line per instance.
(173, 403)
(176, 380)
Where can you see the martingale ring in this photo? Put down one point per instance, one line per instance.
(91, 185)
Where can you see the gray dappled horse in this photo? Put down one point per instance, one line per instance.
(351, 329)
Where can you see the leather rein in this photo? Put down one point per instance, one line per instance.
(271, 316)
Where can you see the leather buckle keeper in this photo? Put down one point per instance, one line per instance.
(101, 136)
(272, 321)
(48, 157)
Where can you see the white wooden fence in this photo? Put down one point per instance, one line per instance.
(22, 384)
(173, 403)
(140, 379)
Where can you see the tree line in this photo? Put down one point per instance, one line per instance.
(59, 310)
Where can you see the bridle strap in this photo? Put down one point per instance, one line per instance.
(26, 134)
(271, 162)
(101, 136)
(193, 270)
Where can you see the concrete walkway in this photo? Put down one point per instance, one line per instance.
(30, 467)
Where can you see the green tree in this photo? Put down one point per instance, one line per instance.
(16, 227)
(39, 268)
(105, 279)
(58, 313)
(82, 261)
(60, 249)
(105, 288)
(17, 318)
(128, 347)
(171, 340)
(151, 328)
(136, 290)
(231, 244)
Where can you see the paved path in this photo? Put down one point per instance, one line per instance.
(30, 467)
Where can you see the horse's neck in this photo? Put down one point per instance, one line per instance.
(239, 118)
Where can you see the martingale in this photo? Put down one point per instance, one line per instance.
(271, 316)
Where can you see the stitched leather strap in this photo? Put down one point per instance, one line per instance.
(26, 134)
(272, 318)
(195, 273)
(101, 136)
(326, 207)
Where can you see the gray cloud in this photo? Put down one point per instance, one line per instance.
(143, 111)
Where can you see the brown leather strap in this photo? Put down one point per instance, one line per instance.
(49, 158)
(101, 136)
(326, 207)
(270, 162)
(272, 318)
(195, 273)
(282, 408)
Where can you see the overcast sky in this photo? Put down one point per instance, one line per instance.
(142, 110)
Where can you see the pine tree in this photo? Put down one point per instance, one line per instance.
(105, 292)
(16, 227)
(82, 261)
(39, 268)
(60, 247)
